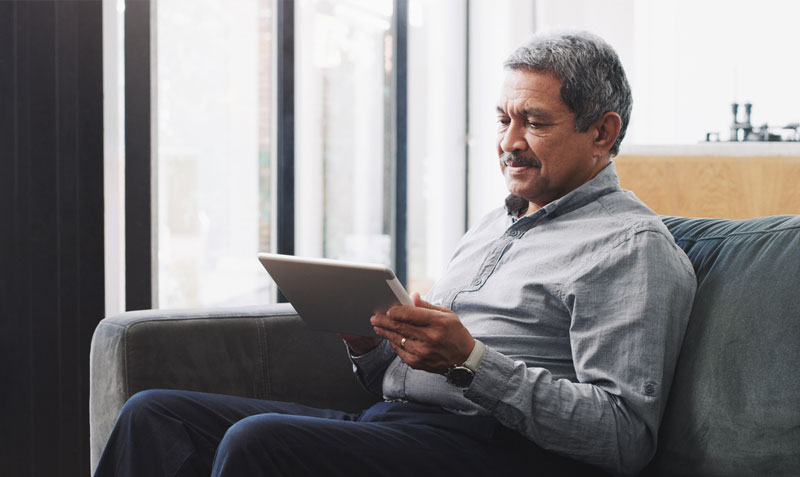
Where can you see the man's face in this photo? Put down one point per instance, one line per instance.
(541, 156)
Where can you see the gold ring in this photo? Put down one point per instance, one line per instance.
(403, 343)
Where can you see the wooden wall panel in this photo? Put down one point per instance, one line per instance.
(714, 186)
(51, 230)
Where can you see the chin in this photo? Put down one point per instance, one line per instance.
(520, 189)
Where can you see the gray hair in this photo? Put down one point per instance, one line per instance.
(593, 81)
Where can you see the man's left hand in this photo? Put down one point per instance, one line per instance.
(435, 339)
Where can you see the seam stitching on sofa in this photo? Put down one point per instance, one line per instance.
(263, 352)
(184, 318)
(269, 362)
(108, 323)
(125, 381)
(738, 234)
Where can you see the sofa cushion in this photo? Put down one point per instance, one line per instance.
(734, 408)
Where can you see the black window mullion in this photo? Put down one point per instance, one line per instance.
(400, 53)
(284, 29)
(138, 158)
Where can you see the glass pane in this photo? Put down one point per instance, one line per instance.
(213, 137)
(436, 136)
(343, 161)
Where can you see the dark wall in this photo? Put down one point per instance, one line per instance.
(51, 230)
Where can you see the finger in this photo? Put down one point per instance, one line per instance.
(410, 355)
(417, 316)
(407, 329)
(394, 338)
(402, 352)
(419, 302)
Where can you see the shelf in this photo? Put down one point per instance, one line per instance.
(727, 149)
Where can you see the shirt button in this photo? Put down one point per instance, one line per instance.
(649, 388)
(477, 282)
(513, 232)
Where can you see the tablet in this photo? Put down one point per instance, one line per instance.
(333, 295)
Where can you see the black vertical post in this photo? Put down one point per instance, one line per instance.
(138, 158)
(285, 126)
(400, 46)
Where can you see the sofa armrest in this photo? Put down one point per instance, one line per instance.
(264, 352)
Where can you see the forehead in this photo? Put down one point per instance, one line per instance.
(526, 88)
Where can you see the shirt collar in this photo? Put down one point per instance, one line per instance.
(605, 182)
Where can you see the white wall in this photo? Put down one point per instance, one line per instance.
(688, 60)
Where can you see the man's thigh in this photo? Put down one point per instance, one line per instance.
(227, 409)
(276, 444)
(161, 432)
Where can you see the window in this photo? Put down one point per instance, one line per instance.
(437, 125)
(213, 101)
(216, 191)
(344, 189)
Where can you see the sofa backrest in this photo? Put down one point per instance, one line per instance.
(734, 407)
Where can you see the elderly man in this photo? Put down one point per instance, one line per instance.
(547, 347)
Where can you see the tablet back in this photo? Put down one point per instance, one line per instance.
(334, 295)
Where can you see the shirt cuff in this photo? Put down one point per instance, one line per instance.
(373, 360)
(491, 380)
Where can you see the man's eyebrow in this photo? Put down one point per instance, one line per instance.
(536, 113)
(529, 113)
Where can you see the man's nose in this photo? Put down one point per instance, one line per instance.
(513, 139)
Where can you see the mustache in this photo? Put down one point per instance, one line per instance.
(516, 159)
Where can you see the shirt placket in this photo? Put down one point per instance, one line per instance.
(496, 251)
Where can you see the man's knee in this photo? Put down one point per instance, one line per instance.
(149, 402)
(250, 446)
(263, 431)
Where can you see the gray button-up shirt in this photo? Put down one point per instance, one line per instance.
(582, 306)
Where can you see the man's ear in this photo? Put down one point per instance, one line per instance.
(607, 130)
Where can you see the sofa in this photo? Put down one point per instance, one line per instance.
(734, 406)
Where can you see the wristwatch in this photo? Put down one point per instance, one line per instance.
(461, 375)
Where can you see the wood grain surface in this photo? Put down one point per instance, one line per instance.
(713, 186)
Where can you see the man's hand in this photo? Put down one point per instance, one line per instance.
(435, 337)
(360, 344)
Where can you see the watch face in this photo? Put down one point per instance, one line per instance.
(460, 377)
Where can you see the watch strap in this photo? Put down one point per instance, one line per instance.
(475, 357)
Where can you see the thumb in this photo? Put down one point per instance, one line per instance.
(419, 302)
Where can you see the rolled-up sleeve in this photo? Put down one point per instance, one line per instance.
(629, 311)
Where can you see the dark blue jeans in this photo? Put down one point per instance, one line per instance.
(182, 433)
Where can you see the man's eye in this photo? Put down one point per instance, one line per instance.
(534, 124)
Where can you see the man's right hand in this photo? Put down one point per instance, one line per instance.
(360, 344)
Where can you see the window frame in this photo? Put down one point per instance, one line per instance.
(141, 244)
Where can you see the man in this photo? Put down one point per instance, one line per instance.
(551, 345)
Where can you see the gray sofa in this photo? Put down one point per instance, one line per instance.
(734, 408)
